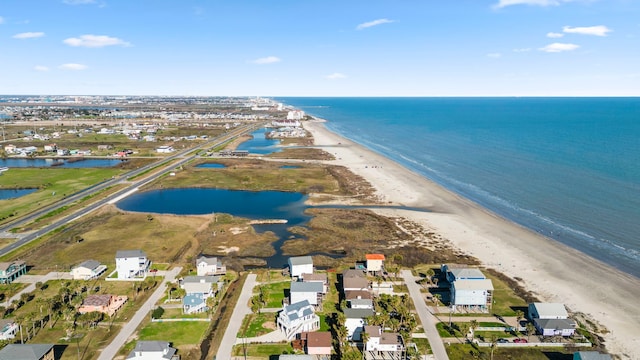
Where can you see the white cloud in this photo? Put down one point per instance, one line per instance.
(79, 2)
(73, 66)
(1, 20)
(95, 41)
(521, 50)
(40, 68)
(494, 55)
(505, 3)
(559, 47)
(373, 23)
(599, 30)
(28, 35)
(266, 60)
(335, 76)
(554, 35)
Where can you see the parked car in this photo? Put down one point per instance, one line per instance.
(521, 341)
(502, 341)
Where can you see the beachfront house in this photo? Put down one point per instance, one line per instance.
(9, 271)
(309, 291)
(87, 270)
(469, 288)
(8, 329)
(551, 319)
(299, 265)
(382, 345)
(297, 318)
(538, 310)
(355, 321)
(104, 303)
(206, 265)
(27, 352)
(153, 350)
(375, 263)
(131, 264)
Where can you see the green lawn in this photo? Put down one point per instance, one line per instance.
(253, 324)
(468, 351)
(423, 345)
(504, 299)
(263, 351)
(178, 333)
(274, 293)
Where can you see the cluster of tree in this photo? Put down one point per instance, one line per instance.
(394, 312)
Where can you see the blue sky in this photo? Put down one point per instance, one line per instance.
(321, 48)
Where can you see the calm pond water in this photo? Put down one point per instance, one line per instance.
(260, 144)
(289, 167)
(14, 193)
(211, 166)
(64, 163)
(247, 204)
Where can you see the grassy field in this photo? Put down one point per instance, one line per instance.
(179, 333)
(505, 300)
(262, 351)
(257, 324)
(467, 351)
(274, 293)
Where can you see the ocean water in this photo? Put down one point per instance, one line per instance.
(568, 168)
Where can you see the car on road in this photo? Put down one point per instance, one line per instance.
(520, 341)
(502, 341)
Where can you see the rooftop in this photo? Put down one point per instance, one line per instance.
(121, 254)
(301, 260)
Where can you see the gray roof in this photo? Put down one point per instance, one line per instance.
(120, 254)
(591, 355)
(292, 310)
(297, 286)
(301, 260)
(467, 273)
(355, 283)
(361, 302)
(153, 347)
(351, 273)
(558, 324)
(481, 284)
(89, 264)
(357, 313)
(209, 260)
(24, 351)
(207, 279)
(555, 310)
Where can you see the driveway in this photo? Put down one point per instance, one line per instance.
(426, 317)
(241, 310)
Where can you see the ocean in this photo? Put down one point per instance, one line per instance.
(567, 168)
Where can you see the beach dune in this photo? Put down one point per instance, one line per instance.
(553, 271)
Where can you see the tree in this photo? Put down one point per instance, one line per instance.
(20, 320)
(519, 317)
(430, 274)
(473, 324)
(530, 330)
(437, 298)
(494, 344)
(464, 329)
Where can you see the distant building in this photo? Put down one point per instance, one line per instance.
(9, 271)
(104, 303)
(153, 350)
(27, 352)
(87, 270)
(132, 264)
(165, 149)
(551, 319)
(206, 265)
(8, 329)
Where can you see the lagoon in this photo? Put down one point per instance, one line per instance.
(260, 144)
(211, 166)
(6, 194)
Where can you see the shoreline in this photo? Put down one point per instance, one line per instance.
(553, 271)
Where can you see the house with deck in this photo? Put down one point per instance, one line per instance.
(551, 319)
(309, 291)
(296, 318)
(382, 345)
(354, 280)
(468, 288)
(104, 303)
(299, 265)
(87, 270)
(375, 263)
(319, 278)
(27, 352)
(153, 350)
(210, 265)
(8, 329)
(355, 320)
(10, 271)
(132, 264)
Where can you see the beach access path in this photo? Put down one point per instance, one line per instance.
(129, 328)
(426, 317)
(241, 310)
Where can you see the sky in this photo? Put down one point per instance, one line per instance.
(320, 48)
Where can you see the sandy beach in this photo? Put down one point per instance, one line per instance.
(555, 272)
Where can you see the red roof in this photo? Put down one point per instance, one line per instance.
(374, 256)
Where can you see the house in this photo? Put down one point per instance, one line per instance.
(165, 149)
(86, 270)
(354, 280)
(551, 319)
(375, 262)
(203, 285)
(360, 303)
(105, 147)
(320, 278)
(194, 303)
(309, 291)
(104, 303)
(355, 321)
(382, 345)
(296, 318)
(206, 265)
(454, 274)
(359, 299)
(299, 265)
(8, 329)
(131, 264)
(9, 271)
(10, 149)
(590, 355)
(384, 287)
(317, 343)
(51, 148)
(153, 350)
(472, 294)
(27, 352)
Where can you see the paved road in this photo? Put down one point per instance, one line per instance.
(241, 310)
(426, 317)
(32, 280)
(129, 328)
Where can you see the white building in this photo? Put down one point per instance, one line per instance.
(8, 329)
(203, 285)
(210, 266)
(375, 262)
(382, 345)
(539, 310)
(309, 291)
(297, 318)
(551, 319)
(131, 264)
(299, 265)
(87, 270)
(153, 350)
(355, 322)
(295, 115)
(165, 149)
(472, 293)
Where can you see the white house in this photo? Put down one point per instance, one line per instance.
(472, 293)
(319, 278)
(153, 350)
(131, 264)
(551, 319)
(10, 149)
(299, 265)
(375, 262)
(382, 345)
(309, 291)
(539, 310)
(203, 285)
(355, 321)
(86, 270)
(297, 318)
(295, 115)
(360, 303)
(8, 329)
(165, 149)
(209, 266)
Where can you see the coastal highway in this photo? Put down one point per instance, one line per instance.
(185, 156)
